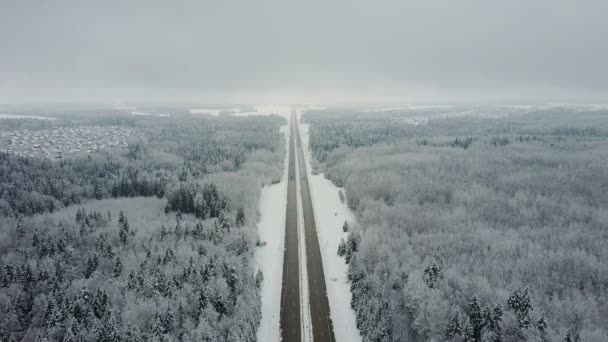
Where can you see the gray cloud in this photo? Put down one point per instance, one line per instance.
(314, 50)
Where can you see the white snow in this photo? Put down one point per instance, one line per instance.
(149, 114)
(210, 111)
(17, 116)
(390, 109)
(330, 214)
(271, 229)
(284, 111)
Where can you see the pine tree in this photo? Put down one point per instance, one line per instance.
(71, 334)
(432, 275)
(78, 311)
(79, 215)
(259, 278)
(519, 302)
(181, 317)
(53, 315)
(198, 231)
(454, 329)
(493, 318)
(345, 227)
(219, 304)
(91, 266)
(163, 232)
(203, 300)
(123, 232)
(168, 320)
(35, 239)
(231, 280)
(240, 217)
(108, 332)
(342, 248)
(132, 334)
(100, 304)
(19, 229)
(118, 267)
(23, 308)
(476, 319)
(157, 325)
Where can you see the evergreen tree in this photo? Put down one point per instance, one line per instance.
(100, 304)
(519, 302)
(240, 217)
(118, 267)
(168, 320)
(198, 231)
(19, 229)
(91, 266)
(123, 225)
(157, 325)
(342, 248)
(219, 304)
(107, 332)
(432, 275)
(476, 319)
(133, 334)
(259, 278)
(454, 329)
(345, 227)
(71, 334)
(203, 300)
(23, 308)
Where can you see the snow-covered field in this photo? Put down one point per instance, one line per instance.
(330, 214)
(271, 230)
(236, 111)
(15, 116)
(210, 111)
(150, 114)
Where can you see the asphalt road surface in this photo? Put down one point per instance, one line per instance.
(290, 292)
(322, 328)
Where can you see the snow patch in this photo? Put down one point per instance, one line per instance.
(269, 258)
(212, 112)
(150, 114)
(390, 109)
(17, 116)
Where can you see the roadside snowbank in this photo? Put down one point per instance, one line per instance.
(269, 258)
(330, 214)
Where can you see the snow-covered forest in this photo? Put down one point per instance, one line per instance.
(150, 242)
(484, 228)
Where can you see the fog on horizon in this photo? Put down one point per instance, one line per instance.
(313, 51)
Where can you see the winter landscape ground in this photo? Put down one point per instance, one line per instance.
(179, 232)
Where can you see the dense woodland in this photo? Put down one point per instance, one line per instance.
(473, 229)
(153, 242)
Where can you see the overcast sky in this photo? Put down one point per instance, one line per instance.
(307, 51)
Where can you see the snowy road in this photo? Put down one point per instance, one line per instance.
(322, 328)
(290, 293)
(303, 276)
